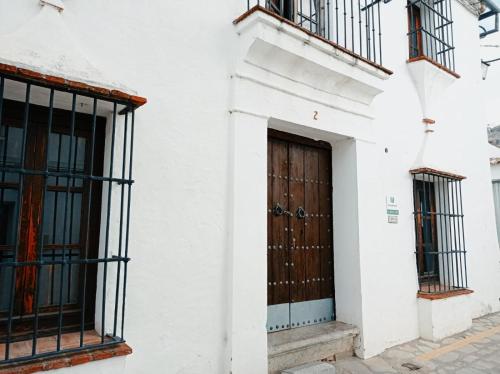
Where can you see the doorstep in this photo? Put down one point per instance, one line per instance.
(290, 348)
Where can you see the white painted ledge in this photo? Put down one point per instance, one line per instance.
(281, 57)
(442, 318)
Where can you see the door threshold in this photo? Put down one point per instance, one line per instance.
(290, 348)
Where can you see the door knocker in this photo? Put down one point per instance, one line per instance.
(301, 213)
(278, 210)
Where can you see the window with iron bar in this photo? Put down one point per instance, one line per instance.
(65, 197)
(430, 34)
(439, 231)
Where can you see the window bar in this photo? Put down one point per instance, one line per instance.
(455, 242)
(71, 217)
(65, 224)
(6, 138)
(42, 222)
(328, 20)
(89, 206)
(427, 13)
(450, 234)
(127, 229)
(345, 25)
(432, 219)
(416, 219)
(367, 31)
(459, 229)
(444, 259)
(424, 222)
(352, 25)
(452, 38)
(122, 197)
(455, 248)
(19, 211)
(108, 218)
(439, 234)
(424, 32)
(379, 34)
(440, 23)
(301, 13)
(432, 31)
(447, 234)
(54, 223)
(310, 15)
(374, 40)
(360, 29)
(463, 234)
(337, 20)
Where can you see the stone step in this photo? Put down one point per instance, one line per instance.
(312, 368)
(291, 348)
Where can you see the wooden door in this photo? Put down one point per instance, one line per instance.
(300, 249)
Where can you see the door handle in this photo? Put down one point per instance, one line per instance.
(278, 210)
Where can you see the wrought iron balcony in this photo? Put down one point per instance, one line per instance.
(351, 25)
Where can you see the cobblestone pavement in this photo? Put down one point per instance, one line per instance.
(475, 351)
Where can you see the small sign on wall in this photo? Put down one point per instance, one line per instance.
(392, 209)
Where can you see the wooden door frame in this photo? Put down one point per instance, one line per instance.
(288, 137)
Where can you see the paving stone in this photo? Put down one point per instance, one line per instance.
(312, 368)
(449, 341)
(424, 349)
(469, 370)
(448, 357)
(379, 365)
(481, 364)
(495, 357)
(400, 355)
(468, 349)
(352, 366)
(429, 344)
(470, 358)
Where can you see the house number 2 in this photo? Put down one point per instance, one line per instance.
(315, 116)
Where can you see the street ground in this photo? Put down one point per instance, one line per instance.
(476, 351)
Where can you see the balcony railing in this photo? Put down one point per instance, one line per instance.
(353, 25)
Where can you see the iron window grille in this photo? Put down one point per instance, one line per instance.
(351, 24)
(439, 231)
(431, 31)
(65, 197)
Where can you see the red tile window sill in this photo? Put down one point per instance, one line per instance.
(66, 360)
(442, 295)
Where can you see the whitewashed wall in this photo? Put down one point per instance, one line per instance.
(191, 307)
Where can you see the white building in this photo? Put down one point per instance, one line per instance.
(281, 145)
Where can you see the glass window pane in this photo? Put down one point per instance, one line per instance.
(54, 211)
(8, 216)
(11, 145)
(5, 279)
(75, 221)
(51, 279)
